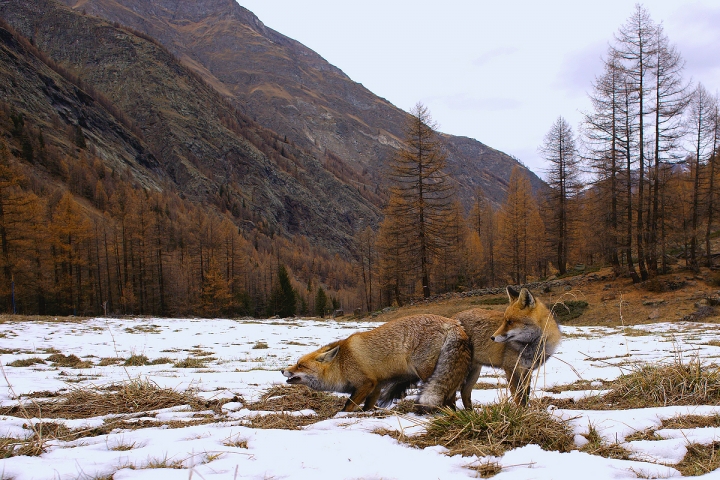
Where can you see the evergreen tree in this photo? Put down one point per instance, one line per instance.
(320, 302)
(283, 299)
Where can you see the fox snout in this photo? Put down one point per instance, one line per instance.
(291, 377)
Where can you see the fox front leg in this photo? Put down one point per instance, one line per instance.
(359, 395)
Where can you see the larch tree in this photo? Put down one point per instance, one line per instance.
(712, 173)
(563, 178)
(701, 125)
(603, 135)
(366, 255)
(483, 222)
(520, 228)
(635, 46)
(670, 100)
(422, 192)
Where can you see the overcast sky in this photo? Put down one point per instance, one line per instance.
(499, 72)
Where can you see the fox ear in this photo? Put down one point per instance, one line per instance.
(329, 355)
(511, 293)
(525, 299)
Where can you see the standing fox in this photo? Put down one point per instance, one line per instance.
(526, 337)
(389, 358)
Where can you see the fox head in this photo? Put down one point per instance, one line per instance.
(521, 321)
(313, 369)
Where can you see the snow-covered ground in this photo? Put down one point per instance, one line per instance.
(341, 447)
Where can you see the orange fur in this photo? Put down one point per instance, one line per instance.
(427, 348)
(518, 341)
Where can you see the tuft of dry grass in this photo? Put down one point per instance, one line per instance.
(294, 398)
(647, 434)
(493, 429)
(700, 459)
(13, 447)
(126, 398)
(27, 362)
(191, 362)
(164, 462)
(280, 420)
(70, 361)
(136, 361)
(657, 385)
(486, 469)
(691, 421)
(260, 346)
(161, 361)
(237, 442)
(598, 446)
(106, 361)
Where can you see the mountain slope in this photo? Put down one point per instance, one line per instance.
(208, 150)
(36, 93)
(289, 88)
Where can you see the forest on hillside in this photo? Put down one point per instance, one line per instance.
(634, 188)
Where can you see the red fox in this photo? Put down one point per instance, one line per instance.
(387, 360)
(518, 341)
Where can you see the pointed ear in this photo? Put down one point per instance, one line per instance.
(329, 355)
(525, 299)
(511, 293)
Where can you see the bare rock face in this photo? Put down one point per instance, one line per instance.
(292, 90)
(36, 92)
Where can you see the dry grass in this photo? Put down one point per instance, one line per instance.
(161, 361)
(13, 447)
(191, 362)
(655, 385)
(236, 441)
(700, 459)
(70, 361)
(598, 446)
(691, 421)
(136, 361)
(577, 386)
(676, 423)
(494, 429)
(126, 398)
(27, 362)
(260, 346)
(106, 361)
(280, 420)
(486, 469)
(293, 398)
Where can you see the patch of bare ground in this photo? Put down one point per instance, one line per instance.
(611, 300)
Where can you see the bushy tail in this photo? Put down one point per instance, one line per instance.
(450, 370)
(395, 389)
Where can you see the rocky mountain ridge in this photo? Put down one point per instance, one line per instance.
(292, 90)
(199, 144)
